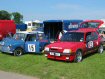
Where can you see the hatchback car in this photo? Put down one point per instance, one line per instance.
(23, 42)
(74, 45)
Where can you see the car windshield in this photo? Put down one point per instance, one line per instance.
(73, 37)
(90, 25)
(19, 36)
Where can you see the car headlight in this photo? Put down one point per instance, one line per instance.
(46, 49)
(2, 43)
(67, 51)
(9, 47)
(0, 35)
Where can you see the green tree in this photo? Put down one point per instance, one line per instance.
(4, 15)
(17, 17)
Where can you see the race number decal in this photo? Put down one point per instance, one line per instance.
(90, 44)
(31, 47)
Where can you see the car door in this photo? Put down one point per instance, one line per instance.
(31, 44)
(90, 42)
(42, 40)
(95, 39)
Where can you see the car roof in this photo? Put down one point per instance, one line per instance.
(65, 21)
(84, 30)
(100, 21)
(33, 32)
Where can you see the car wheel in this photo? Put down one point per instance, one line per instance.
(100, 49)
(78, 57)
(18, 52)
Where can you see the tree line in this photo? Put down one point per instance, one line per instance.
(16, 16)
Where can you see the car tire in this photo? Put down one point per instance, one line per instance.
(78, 56)
(100, 49)
(18, 52)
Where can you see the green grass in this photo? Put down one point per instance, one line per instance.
(92, 67)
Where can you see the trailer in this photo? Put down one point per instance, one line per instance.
(52, 28)
(7, 27)
(21, 27)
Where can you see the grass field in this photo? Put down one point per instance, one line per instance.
(92, 67)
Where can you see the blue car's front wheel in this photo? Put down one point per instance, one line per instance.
(18, 52)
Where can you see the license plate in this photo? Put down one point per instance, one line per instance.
(51, 53)
(57, 54)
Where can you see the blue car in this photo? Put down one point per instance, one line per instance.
(24, 42)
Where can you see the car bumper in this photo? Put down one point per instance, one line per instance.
(62, 56)
(5, 49)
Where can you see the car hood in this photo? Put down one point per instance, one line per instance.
(65, 45)
(11, 41)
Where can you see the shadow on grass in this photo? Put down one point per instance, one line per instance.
(88, 55)
(6, 53)
(59, 60)
(41, 54)
(84, 57)
(22, 54)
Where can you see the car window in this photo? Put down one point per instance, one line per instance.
(40, 36)
(19, 36)
(95, 36)
(90, 25)
(73, 37)
(90, 36)
(31, 37)
(102, 32)
(99, 31)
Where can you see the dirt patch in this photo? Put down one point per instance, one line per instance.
(9, 75)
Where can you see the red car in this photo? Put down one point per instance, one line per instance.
(74, 45)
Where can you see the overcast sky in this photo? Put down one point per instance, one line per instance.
(56, 9)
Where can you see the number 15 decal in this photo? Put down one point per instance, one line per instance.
(31, 47)
(90, 44)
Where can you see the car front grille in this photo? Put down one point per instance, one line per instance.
(52, 49)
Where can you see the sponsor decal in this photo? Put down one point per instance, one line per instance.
(73, 26)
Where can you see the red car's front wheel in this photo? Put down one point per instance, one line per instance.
(78, 57)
